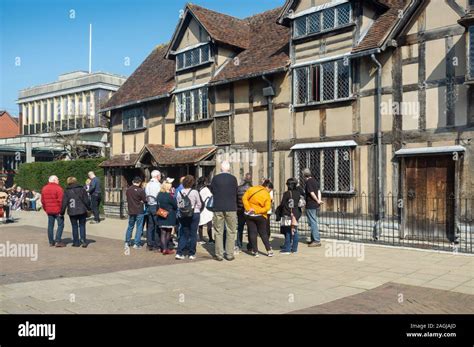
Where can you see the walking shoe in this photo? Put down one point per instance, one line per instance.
(218, 258)
(60, 244)
(137, 247)
(179, 257)
(236, 250)
(84, 245)
(76, 245)
(52, 244)
(211, 242)
(94, 222)
(150, 248)
(270, 254)
(229, 258)
(285, 252)
(202, 242)
(168, 252)
(315, 244)
(255, 254)
(192, 257)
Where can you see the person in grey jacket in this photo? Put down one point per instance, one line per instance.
(95, 194)
(77, 204)
(188, 224)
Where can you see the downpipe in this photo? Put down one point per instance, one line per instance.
(380, 205)
(269, 92)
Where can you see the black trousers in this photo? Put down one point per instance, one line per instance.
(258, 226)
(95, 203)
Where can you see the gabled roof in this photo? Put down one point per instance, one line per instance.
(389, 17)
(383, 26)
(168, 155)
(153, 79)
(121, 160)
(268, 49)
(221, 28)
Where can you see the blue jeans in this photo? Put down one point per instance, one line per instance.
(33, 205)
(132, 220)
(59, 232)
(188, 234)
(313, 224)
(240, 229)
(78, 224)
(151, 239)
(291, 240)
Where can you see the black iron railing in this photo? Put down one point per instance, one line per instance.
(409, 221)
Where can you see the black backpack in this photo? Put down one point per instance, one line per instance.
(185, 207)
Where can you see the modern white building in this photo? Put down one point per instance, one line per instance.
(69, 106)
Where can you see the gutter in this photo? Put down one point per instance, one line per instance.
(132, 103)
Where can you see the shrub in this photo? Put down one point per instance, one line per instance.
(35, 175)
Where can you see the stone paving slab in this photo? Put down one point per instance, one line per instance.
(102, 256)
(395, 298)
(101, 279)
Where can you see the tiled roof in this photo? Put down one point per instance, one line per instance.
(268, 50)
(168, 155)
(221, 27)
(122, 160)
(153, 78)
(382, 26)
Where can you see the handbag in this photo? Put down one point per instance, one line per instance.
(161, 212)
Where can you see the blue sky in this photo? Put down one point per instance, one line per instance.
(49, 42)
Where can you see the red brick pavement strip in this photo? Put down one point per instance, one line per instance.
(102, 256)
(394, 298)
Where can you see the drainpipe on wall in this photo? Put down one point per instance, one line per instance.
(380, 205)
(269, 93)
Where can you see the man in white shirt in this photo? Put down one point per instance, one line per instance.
(151, 190)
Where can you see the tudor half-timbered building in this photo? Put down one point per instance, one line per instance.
(375, 97)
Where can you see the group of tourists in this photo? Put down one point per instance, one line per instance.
(223, 208)
(78, 201)
(16, 198)
(176, 218)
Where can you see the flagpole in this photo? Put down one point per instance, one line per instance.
(90, 48)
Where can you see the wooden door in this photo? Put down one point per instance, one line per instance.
(429, 196)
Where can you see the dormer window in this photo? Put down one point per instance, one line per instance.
(322, 20)
(193, 57)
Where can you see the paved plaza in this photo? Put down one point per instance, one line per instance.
(104, 279)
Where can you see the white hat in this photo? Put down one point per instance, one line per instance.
(169, 180)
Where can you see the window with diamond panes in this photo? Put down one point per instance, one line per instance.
(191, 105)
(324, 20)
(133, 119)
(322, 82)
(331, 167)
(193, 57)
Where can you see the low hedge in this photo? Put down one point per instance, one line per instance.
(35, 175)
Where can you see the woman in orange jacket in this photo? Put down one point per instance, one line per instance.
(257, 202)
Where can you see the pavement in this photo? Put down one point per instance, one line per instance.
(339, 277)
